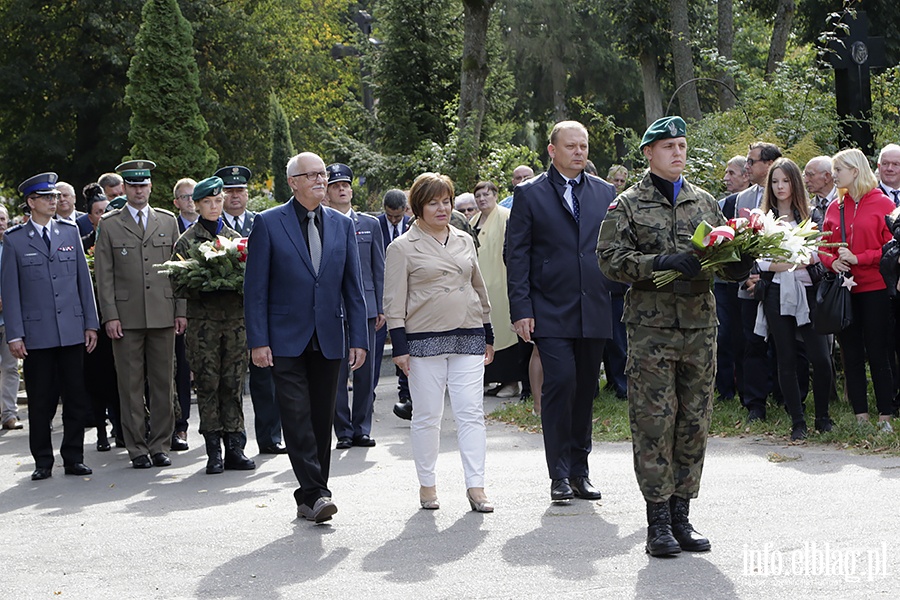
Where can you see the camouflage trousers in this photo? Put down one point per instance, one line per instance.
(671, 376)
(217, 353)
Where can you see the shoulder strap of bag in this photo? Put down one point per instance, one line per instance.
(843, 229)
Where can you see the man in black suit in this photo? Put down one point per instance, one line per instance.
(394, 223)
(558, 298)
(183, 200)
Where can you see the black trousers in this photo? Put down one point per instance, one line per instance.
(182, 384)
(102, 384)
(571, 372)
(784, 332)
(305, 388)
(867, 336)
(51, 374)
(267, 418)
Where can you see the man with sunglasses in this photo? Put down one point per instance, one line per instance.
(48, 305)
(302, 288)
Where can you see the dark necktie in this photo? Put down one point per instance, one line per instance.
(237, 224)
(140, 221)
(896, 195)
(396, 233)
(46, 237)
(315, 242)
(576, 206)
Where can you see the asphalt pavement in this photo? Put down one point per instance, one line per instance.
(784, 521)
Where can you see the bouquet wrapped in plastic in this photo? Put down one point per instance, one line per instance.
(760, 235)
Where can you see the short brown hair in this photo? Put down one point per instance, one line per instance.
(425, 188)
(486, 184)
(554, 134)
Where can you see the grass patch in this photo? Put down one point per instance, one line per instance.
(729, 420)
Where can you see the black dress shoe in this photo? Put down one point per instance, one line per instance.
(141, 462)
(161, 459)
(78, 469)
(363, 441)
(344, 443)
(403, 409)
(273, 449)
(179, 442)
(560, 490)
(40, 473)
(756, 414)
(103, 446)
(824, 425)
(583, 488)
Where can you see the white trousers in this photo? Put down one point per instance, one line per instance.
(429, 377)
(9, 379)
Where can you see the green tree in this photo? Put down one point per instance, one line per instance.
(417, 71)
(163, 88)
(282, 148)
(61, 105)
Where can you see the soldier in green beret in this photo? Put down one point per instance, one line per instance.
(671, 332)
(216, 341)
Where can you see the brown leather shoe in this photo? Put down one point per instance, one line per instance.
(12, 423)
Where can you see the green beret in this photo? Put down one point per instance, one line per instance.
(211, 186)
(117, 202)
(664, 129)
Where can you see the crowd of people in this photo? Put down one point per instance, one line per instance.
(527, 296)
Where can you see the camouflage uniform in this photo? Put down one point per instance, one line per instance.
(671, 335)
(216, 343)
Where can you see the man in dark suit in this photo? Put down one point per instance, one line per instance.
(48, 304)
(302, 285)
(557, 297)
(65, 208)
(394, 223)
(267, 418)
(352, 425)
(183, 200)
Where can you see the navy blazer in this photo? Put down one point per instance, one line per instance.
(371, 261)
(285, 301)
(48, 297)
(385, 232)
(552, 271)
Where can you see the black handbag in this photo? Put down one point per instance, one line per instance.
(833, 310)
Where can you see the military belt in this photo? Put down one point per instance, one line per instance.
(679, 286)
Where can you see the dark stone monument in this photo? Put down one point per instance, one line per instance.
(852, 60)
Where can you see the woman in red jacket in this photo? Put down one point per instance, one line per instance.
(865, 207)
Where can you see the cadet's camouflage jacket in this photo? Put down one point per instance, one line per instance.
(642, 223)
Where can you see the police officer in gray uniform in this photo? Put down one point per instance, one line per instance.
(48, 303)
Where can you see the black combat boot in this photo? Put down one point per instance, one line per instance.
(659, 531)
(235, 459)
(689, 539)
(214, 452)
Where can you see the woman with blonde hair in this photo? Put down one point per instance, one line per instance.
(438, 314)
(789, 300)
(862, 209)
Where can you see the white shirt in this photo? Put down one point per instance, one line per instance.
(567, 195)
(134, 214)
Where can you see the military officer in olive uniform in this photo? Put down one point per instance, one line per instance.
(671, 332)
(216, 341)
(48, 304)
(140, 312)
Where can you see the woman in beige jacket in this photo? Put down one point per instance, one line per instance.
(438, 314)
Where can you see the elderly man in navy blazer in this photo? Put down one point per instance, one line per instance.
(48, 303)
(353, 424)
(302, 285)
(557, 298)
